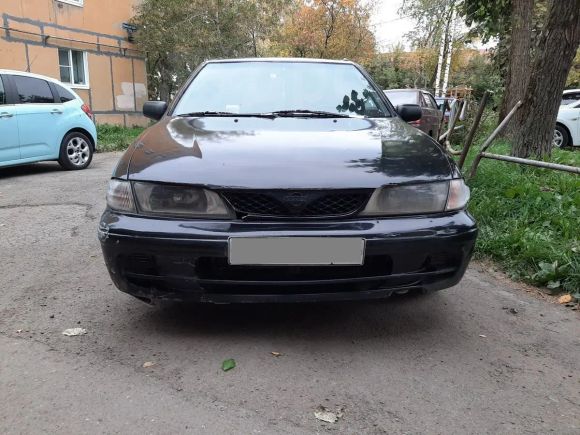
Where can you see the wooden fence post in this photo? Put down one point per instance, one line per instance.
(491, 138)
(474, 127)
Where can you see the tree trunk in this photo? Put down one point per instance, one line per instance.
(518, 70)
(556, 50)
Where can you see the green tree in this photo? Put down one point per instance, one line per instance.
(178, 35)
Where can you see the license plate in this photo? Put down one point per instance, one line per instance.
(296, 251)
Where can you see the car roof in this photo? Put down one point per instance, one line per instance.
(568, 91)
(282, 59)
(38, 76)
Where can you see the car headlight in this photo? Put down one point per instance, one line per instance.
(179, 201)
(459, 194)
(418, 198)
(119, 196)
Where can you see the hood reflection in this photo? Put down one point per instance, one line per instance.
(287, 153)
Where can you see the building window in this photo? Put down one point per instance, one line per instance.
(73, 2)
(73, 68)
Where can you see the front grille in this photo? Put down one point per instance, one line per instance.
(297, 203)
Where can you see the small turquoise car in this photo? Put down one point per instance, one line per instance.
(43, 119)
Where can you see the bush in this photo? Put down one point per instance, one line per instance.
(529, 218)
(115, 137)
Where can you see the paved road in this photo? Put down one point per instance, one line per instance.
(455, 362)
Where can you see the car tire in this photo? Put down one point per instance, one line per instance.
(561, 137)
(76, 151)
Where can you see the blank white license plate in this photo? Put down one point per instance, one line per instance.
(299, 251)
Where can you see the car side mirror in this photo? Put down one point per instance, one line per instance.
(154, 109)
(409, 112)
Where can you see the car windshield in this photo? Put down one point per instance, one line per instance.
(285, 87)
(402, 97)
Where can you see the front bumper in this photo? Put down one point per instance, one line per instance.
(188, 260)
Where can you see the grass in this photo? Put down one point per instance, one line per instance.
(116, 138)
(529, 219)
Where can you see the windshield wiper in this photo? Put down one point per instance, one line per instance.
(227, 115)
(305, 113)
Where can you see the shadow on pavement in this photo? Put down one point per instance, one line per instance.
(397, 316)
(31, 169)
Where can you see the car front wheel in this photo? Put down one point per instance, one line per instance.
(560, 139)
(76, 151)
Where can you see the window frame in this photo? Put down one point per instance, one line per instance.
(431, 103)
(78, 3)
(73, 85)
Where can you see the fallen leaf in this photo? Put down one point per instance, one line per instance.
(565, 299)
(276, 354)
(228, 364)
(72, 332)
(148, 364)
(324, 414)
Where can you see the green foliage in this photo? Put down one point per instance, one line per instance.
(178, 35)
(430, 17)
(529, 219)
(491, 17)
(116, 138)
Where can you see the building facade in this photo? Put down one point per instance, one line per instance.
(84, 43)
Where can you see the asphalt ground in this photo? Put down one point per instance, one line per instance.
(485, 357)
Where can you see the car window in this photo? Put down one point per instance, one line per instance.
(570, 98)
(65, 95)
(430, 101)
(264, 87)
(33, 90)
(2, 93)
(402, 97)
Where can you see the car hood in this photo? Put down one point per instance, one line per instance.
(257, 153)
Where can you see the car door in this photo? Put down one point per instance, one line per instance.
(429, 123)
(38, 114)
(573, 118)
(9, 143)
(435, 112)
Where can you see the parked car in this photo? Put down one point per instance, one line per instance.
(567, 132)
(447, 104)
(43, 119)
(280, 180)
(570, 96)
(431, 115)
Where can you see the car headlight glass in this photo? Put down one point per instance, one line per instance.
(119, 196)
(459, 194)
(183, 201)
(418, 198)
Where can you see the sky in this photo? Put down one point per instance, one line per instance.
(388, 25)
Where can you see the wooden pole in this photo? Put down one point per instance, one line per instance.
(474, 127)
(452, 122)
(492, 137)
(537, 163)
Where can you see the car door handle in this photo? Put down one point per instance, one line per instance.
(56, 112)
(6, 115)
